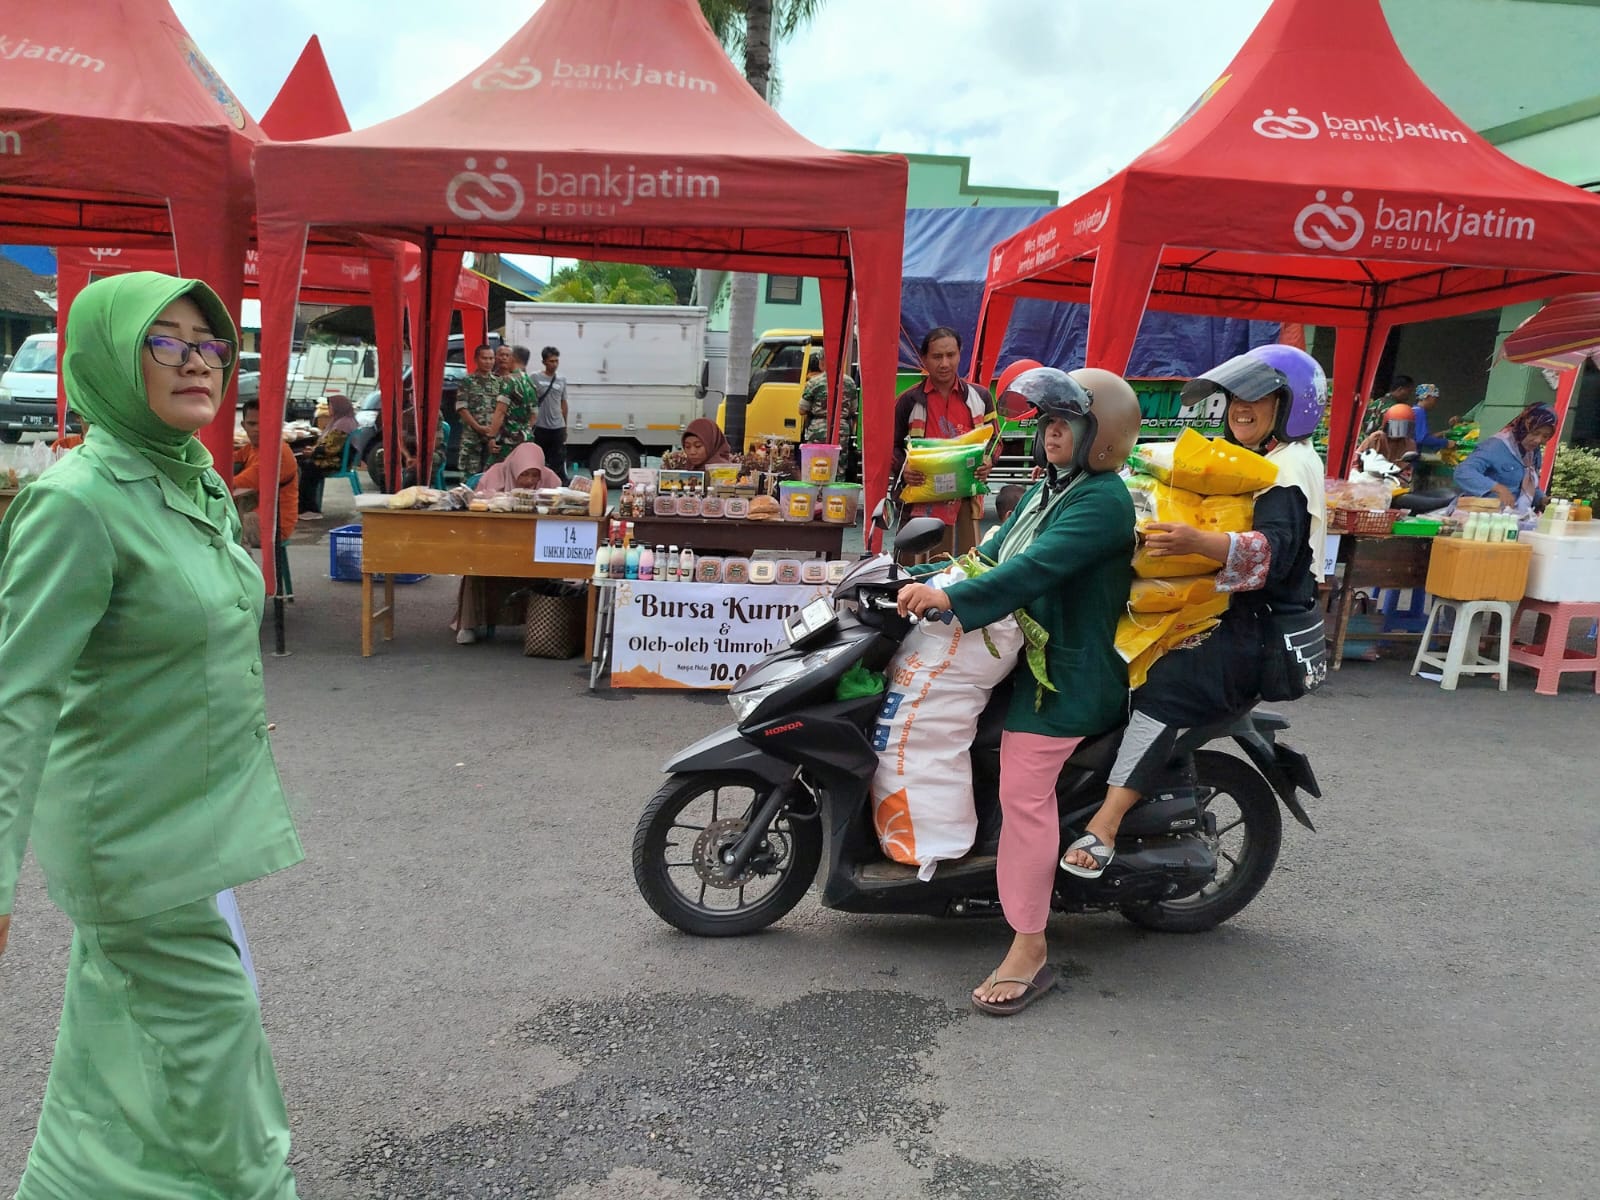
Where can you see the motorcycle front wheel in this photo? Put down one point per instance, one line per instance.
(678, 847)
(1249, 830)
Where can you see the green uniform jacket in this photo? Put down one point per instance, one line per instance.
(133, 724)
(1073, 579)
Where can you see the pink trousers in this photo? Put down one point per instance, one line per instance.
(1030, 833)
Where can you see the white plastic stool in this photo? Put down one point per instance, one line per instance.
(1461, 657)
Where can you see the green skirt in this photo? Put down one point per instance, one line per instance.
(162, 1087)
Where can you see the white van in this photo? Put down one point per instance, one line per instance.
(28, 389)
(636, 375)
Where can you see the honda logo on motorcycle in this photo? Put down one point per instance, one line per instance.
(473, 196)
(790, 727)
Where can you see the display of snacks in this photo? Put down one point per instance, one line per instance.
(764, 508)
(712, 506)
(788, 570)
(1352, 520)
(737, 507)
(666, 505)
(707, 570)
(736, 570)
(837, 569)
(763, 570)
(814, 571)
(688, 504)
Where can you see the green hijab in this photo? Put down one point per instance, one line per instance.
(104, 372)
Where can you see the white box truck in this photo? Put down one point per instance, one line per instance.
(636, 375)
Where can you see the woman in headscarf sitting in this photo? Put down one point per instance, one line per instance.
(327, 456)
(483, 596)
(1507, 465)
(703, 445)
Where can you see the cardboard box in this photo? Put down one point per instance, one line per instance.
(1463, 570)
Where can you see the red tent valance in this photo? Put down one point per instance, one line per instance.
(1317, 181)
(602, 129)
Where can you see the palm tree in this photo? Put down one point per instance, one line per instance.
(748, 29)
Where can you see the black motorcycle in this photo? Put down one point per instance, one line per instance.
(733, 839)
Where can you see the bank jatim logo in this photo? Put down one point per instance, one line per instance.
(1290, 125)
(473, 195)
(500, 77)
(1323, 226)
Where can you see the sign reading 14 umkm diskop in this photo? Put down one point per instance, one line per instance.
(698, 635)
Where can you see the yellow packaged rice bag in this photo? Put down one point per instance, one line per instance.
(949, 466)
(1210, 466)
(1169, 595)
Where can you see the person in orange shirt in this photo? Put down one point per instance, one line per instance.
(247, 482)
(71, 441)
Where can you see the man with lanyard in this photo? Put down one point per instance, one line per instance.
(550, 427)
(476, 398)
(942, 406)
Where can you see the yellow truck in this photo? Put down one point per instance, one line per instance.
(779, 368)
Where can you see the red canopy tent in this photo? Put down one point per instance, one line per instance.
(115, 130)
(602, 129)
(1317, 181)
(308, 104)
(1562, 336)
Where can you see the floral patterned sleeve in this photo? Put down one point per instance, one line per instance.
(1249, 559)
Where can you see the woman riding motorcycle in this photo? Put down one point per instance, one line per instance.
(1063, 555)
(1276, 395)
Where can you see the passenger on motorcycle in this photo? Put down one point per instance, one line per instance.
(1064, 556)
(1275, 395)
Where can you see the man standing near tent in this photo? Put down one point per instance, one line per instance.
(475, 403)
(1402, 390)
(943, 406)
(550, 427)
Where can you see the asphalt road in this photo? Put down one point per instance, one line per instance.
(466, 997)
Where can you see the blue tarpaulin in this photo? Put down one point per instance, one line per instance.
(946, 257)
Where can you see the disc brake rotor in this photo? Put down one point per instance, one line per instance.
(708, 849)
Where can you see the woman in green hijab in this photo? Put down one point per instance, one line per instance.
(133, 748)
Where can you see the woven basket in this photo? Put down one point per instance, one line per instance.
(1355, 520)
(555, 624)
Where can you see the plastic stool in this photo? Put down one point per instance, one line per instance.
(1462, 657)
(1549, 655)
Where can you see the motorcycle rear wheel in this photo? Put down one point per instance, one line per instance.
(1243, 803)
(674, 853)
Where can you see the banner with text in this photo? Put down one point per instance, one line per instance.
(698, 635)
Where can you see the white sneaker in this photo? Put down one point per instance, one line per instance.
(466, 637)
(310, 516)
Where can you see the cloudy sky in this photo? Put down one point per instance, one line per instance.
(1039, 93)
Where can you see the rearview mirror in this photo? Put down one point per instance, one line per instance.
(919, 535)
(880, 515)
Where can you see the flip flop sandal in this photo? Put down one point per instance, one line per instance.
(1033, 989)
(1097, 850)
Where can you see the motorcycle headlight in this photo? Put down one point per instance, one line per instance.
(745, 702)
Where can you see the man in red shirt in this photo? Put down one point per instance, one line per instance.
(942, 406)
(247, 482)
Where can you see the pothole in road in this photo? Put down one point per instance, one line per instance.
(731, 1100)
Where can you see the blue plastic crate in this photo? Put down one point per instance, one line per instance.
(344, 557)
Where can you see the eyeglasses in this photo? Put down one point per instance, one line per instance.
(174, 352)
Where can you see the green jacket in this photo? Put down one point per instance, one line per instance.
(133, 725)
(1073, 579)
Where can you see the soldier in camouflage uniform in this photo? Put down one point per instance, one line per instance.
(476, 398)
(814, 406)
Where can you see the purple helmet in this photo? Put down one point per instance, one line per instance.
(1308, 390)
(1266, 371)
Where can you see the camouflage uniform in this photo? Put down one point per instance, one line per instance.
(478, 394)
(522, 405)
(814, 409)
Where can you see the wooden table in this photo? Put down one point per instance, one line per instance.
(7, 495)
(1377, 561)
(741, 537)
(395, 541)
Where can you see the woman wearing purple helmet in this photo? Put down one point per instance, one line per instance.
(1275, 398)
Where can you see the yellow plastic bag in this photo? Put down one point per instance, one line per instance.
(1169, 595)
(1149, 566)
(1227, 514)
(1212, 467)
(948, 466)
(1138, 632)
